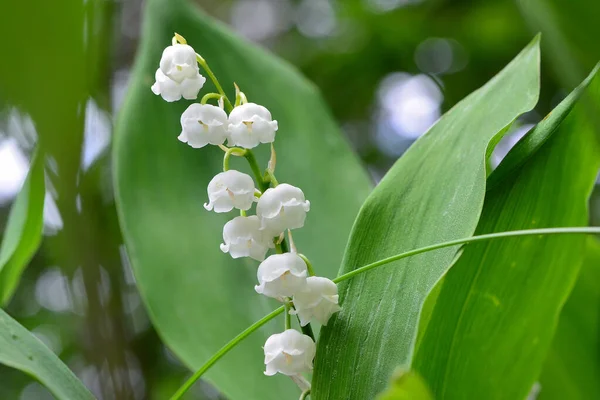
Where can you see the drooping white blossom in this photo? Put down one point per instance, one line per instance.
(282, 207)
(203, 124)
(249, 125)
(178, 75)
(289, 353)
(243, 238)
(228, 190)
(318, 300)
(281, 275)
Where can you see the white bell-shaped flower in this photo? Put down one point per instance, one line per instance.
(178, 75)
(289, 353)
(281, 275)
(230, 189)
(282, 207)
(203, 124)
(250, 125)
(243, 238)
(318, 300)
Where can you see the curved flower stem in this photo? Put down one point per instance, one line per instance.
(223, 350)
(271, 177)
(472, 239)
(309, 267)
(209, 96)
(304, 394)
(214, 80)
(229, 152)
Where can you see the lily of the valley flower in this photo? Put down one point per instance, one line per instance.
(282, 207)
(318, 300)
(230, 189)
(289, 353)
(178, 75)
(281, 275)
(250, 125)
(203, 124)
(243, 238)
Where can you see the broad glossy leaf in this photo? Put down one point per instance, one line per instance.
(198, 297)
(23, 232)
(495, 315)
(531, 142)
(406, 385)
(572, 367)
(434, 193)
(21, 350)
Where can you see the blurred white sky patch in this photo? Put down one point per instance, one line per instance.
(440, 56)
(96, 134)
(14, 166)
(316, 18)
(52, 220)
(383, 6)
(261, 19)
(507, 142)
(409, 106)
(52, 291)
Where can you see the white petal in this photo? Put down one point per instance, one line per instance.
(191, 86)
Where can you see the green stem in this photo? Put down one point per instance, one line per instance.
(472, 239)
(223, 350)
(209, 96)
(262, 184)
(231, 151)
(271, 177)
(214, 80)
(309, 267)
(304, 394)
(288, 317)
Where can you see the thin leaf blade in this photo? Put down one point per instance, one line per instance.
(23, 233)
(21, 350)
(572, 367)
(495, 315)
(434, 193)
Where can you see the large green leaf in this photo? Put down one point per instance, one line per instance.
(21, 350)
(496, 312)
(434, 193)
(23, 232)
(572, 369)
(406, 385)
(198, 297)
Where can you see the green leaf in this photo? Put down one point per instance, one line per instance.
(21, 350)
(433, 194)
(531, 142)
(406, 385)
(199, 298)
(572, 367)
(495, 315)
(23, 232)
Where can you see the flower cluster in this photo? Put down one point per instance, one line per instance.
(286, 276)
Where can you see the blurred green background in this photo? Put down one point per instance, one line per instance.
(387, 68)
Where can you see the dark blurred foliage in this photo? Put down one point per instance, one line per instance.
(387, 68)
